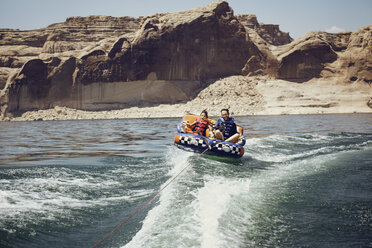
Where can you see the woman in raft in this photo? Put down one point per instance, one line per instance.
(199, 127)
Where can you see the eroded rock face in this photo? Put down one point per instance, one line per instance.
(270, 33)
(308, 56)
(306, 60)
(100, 62)
(65, 39)
(191, 46)
(42, 85)
(319, 54)
(357, 58)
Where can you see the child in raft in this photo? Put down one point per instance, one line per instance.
(199, 127)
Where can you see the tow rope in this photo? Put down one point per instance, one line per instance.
(147, 202)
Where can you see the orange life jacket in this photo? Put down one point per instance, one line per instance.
(200, 127)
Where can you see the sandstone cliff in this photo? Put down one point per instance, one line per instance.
(346, 56)
(270, 34)
(76, 36)
(102, 62)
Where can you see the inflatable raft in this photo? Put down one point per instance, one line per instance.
(196, 143)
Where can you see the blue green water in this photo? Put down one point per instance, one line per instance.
(304, 181)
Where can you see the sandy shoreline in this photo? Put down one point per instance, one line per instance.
(243, 96)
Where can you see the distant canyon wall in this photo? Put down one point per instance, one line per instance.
(102, 62)
(319, 54)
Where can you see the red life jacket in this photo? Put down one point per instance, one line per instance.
(200, 127)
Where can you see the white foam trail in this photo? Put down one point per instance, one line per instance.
(177, 159)
(220, 210)
(194, 217)
(56, 191)
(272, 148)
(212, 202)
(279, 158)
(156, 217)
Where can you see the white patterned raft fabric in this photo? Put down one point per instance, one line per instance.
(227, 148)
(220, 147)
(192, 141)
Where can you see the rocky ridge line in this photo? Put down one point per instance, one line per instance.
(100, 62)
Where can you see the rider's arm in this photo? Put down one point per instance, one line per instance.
(192, 124)
(217, 125)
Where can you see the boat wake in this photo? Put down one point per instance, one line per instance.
(221, 204)
(196, 210)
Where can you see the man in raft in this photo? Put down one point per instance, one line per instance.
(201, 124)
(226, 128)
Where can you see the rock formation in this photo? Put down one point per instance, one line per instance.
(319, 54)
(269, 33)
(103, 62)
(189, 46)
(357, 58)
(74, 37)
(305, 58)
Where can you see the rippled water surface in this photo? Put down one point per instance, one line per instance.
(304, 181)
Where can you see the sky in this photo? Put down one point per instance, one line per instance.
(294, 16)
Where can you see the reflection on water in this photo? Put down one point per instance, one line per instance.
(37, 141)
(47, 140)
